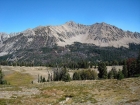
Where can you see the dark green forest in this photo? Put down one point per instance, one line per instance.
(77, 55)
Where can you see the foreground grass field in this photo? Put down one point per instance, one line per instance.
(98, 92)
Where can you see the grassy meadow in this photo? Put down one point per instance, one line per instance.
(87, 92)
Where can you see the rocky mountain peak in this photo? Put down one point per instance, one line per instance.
(71, 24)
(100, 34)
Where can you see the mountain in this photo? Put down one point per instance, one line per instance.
(99, 34)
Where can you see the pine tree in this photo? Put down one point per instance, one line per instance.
(138, 64)
(120, 75)
(110, 75)
(65, 75)
(1, 76)
(43, 80)
(113, 73)
(2, 81)
(130, 66)
(133, 68)
(125, 71)
(102, 70)
(76, 76)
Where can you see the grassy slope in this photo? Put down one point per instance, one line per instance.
(126, 91)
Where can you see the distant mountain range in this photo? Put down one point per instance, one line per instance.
(99, 34)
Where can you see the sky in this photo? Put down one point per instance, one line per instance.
(19, 15)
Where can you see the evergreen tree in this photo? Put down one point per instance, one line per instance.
(120, 75)
(76, 76)
(102, 70)
(125, 71)
(138, 64)
(133, 68)
(2, 81)
(66, 77)
(113, 73)
(110, 75)
(43, 80)
(130, 65)
(1, 76)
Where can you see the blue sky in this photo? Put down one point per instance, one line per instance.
(18, 15)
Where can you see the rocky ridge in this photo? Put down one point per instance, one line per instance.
(100, 34)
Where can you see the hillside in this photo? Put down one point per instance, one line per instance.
(71, 54)
(89, 42)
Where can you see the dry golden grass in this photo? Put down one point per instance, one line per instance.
(88, 92)
(120, 92)
(19, 79)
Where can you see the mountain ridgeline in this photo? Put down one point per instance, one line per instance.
(70, 42)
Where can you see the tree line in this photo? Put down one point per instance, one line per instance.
(131, 68)
(2, 80)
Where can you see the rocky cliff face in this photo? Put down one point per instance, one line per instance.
(100, 34)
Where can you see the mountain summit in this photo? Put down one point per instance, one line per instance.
(100, 34)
